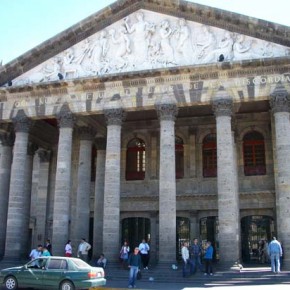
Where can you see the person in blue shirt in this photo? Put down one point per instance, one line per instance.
(275, 252)
(208, 258)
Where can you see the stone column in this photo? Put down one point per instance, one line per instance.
(16, 206)
(61, 208)
(111, 221)
(99, 196)
(228, 198)
(84, 183)
(7, 140)
(42, 194)
(31, 148)
(280, 103)
(167, 182)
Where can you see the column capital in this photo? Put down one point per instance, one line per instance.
(65, 117)
(21, 122)
(114, 116)
(44, 155)
(31, 148)
(7, 138)
(101, 143)
(222, 107)
(86, 133)
(166, 111)
(280, 100)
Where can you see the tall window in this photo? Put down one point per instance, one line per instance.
(135, 166)
(179, 158)
(254, 154)
(209, 156)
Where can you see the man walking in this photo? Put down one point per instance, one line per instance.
(134, 263)
(275, 252)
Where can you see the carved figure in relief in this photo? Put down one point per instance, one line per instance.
(166, 50)
(51, 70)
(141, 36)
(267, 49)
(123, 48)
(224, 52)
(242, 48)
(184, 44)
(207, 42)
(85, 51)
(99, 51)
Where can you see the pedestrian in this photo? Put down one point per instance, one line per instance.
(124, 254)
(36, 253)
(186, 260)
(208, 258)
(196, 252)
(48, 246)
(68, 249)
(45, 252)
(83, 250)
(134, 263)
(102, 261)
(275, 252)
(144, 251)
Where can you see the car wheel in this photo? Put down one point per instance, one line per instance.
(66, 285)
(11, 283)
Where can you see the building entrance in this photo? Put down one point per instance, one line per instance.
(256, 232)
(209, 229)
(134, 230)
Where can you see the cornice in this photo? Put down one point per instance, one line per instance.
(225, 70)
(190, 11)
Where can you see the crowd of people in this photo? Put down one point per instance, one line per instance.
(192, 256)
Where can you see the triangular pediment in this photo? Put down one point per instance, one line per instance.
(147, 40)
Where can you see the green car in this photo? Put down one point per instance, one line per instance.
(53, 272)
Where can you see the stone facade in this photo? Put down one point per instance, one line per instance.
(76, 181)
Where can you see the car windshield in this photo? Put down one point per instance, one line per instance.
(80, 263)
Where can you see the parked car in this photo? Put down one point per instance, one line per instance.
(53, 272)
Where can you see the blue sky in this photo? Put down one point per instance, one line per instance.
(26, 23)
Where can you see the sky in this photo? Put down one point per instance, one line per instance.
(25, 24)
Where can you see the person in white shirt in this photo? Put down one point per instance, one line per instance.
(144, 252)
(83, 250)
(185, 259)
(68, 249)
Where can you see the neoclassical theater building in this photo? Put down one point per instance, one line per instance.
(156, 119)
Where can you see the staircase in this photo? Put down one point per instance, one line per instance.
(163, 273)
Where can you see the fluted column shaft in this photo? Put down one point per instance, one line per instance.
(111, 221)
(61, 209)
(5, 172)
(84, 183)
(167, 183)
(228, 199)
(16, 207)
(280, 103)
(99, 196)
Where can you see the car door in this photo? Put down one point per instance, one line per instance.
(31, 274)
(54, 272)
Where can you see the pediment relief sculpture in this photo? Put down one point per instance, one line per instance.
(147, 40)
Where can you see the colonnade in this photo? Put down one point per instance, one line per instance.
(14, 174)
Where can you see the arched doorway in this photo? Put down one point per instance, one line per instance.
(134, 230)
(255, 228)
(209, 229)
